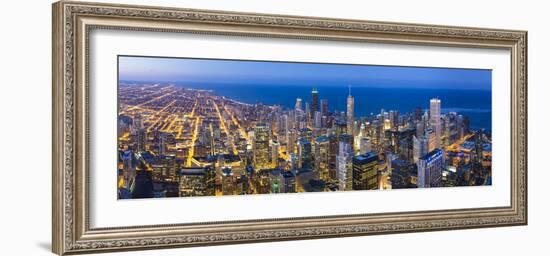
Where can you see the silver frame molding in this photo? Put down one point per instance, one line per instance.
(72, 22)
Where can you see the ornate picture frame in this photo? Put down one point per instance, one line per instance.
(72, 23)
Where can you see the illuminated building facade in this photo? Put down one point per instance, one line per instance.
(261, 146)
(430, 168)
(365, 172)
(345, 166)
(435, 120)
(314, 101)
(322, 152)
(350, 113)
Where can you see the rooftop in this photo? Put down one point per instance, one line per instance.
(434, 153)
(321, 139)
(192, 171)
(370, 156)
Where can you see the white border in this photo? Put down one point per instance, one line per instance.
(107, 211)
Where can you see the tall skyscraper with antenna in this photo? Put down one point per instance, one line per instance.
(350, 112)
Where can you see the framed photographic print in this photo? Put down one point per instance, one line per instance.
(178, 127)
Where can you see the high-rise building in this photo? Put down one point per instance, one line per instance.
(350, 113)
(346, 138)
(261, 146)
(314, 101)
(420, 147)
(285, 125)
(432, 139)
(291, 121)
(298, 106)
(162, 144)
(275, 153)
(435, 120)
(430, 168)
(394, 119)
(332, 158)
(420, 125)
(141, 139)
(341, 128)
(275, 181)
(229, 182)
(288, 180)
(362, 130)
(317, 118)
(365, 171)
(322, 158)
(128, 169)
(304, 154)
(364, 145)
(460, 127)
(324, 107)
(306, 133)
(306, 116)
(193, 182)
(137, 123)
(345, 166)
(210, 181)
(291, 141)
(477, 153)
(387, 124)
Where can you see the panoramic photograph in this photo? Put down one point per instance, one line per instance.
(192, 127)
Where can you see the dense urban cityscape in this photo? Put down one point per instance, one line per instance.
(180, 142)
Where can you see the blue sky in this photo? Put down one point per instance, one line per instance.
(260, 73)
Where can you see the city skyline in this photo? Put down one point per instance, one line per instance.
(228, 72)
(178, 141)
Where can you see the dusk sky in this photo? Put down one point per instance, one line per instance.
(227, 72)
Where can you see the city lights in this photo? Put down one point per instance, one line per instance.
(179, 142)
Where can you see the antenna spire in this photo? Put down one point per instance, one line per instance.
(349, 88)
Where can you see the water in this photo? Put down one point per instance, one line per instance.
(474, 104)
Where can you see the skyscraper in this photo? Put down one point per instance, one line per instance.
(229, 186)
(332, 155)
(460, 126)
(290, 141)
(304, 154)
(193, 182)
(298, 105)
(314, 102)
(317, 119)
(163, 137)
(344, 166)
(365, 171)
(275, 153)
(141, 139)
(435, 120)
(420, 147)
(261, 146)
(324, 107)
(322, 158)
(477, 153)
(365, 145)
(430, 168)
(432, 139)
(350, 113)
(137, 123)
(288, 180)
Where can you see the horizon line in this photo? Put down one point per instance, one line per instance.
(300, 85)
